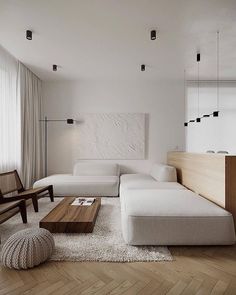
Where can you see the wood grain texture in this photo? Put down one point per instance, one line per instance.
(195, 270)
(211, 175)
(202, 173)
(230, 186)
(67, 218)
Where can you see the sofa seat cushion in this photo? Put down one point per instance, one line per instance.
(145, 181)
(174, 217)
(70, 185)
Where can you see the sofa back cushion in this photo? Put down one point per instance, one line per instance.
(164, 173)
(96, 169)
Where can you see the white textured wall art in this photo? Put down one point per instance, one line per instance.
(110, 136)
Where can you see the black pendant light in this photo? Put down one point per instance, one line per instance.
(153, 34)
(54, 68)
(185, 102)
(29, 35)
(143, 68)
(216, 113)
(198, 119)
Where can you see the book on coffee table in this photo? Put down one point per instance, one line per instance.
(83, 202)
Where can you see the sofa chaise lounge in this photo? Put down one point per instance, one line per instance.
(88, 179)
(156, 210)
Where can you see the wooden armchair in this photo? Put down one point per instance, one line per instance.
(9, 209)
(10, 183)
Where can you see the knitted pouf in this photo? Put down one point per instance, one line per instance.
(27, 248)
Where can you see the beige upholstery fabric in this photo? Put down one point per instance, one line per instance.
(145, 181)
(27, 248)
(163, 216)
(90, 168)
(163, 172)
(70, 185)
(89, 179)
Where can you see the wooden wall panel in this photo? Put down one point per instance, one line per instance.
(213, 176)
(202, 173)
(230, 185)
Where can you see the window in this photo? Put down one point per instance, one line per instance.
(9, 113)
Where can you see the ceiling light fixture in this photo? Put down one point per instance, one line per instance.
(153, 34)
(143, 67)
(185, 104)
(216, 113)
(198, 119)
(54, 68)
(29, 35)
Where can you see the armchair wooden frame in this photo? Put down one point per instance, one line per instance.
(10, 182)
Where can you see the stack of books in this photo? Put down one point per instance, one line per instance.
(83, 202)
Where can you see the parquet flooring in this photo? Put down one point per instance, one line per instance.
(196, 270)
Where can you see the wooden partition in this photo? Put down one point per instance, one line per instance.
(213, 176)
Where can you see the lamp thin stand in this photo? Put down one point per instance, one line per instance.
(46, 120)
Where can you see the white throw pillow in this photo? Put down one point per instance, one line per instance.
(96, 169)
(164, 173)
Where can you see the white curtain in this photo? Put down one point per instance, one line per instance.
(30, 94)
(9, 114)
(20, 111)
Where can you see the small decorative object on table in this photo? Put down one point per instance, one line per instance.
(83, 202)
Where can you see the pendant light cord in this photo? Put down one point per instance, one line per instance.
(198, 82)
(185, 100)
(218, 57)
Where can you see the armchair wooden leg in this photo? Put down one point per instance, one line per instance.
(35, 203)
(50, 190)
(23, 211)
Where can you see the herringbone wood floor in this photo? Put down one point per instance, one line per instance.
(196, 270)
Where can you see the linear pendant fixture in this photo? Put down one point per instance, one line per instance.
(153, 34)
(185, 123)
(198, 119)
(29, 35)
(216, 113)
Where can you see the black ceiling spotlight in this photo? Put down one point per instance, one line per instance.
(143, 67)
(54, 68)
(70, 121)
(215, 114)
(153, 34)
(198, 57)
(29, 35)
(198, 119)
(185, 124)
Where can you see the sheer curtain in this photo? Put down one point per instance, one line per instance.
(30, 94)
(20, 111)
(10, 149)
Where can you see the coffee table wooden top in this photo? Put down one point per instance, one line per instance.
(67, 218)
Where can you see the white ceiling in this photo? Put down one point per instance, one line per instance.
(93, 39)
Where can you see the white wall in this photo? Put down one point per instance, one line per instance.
(163, 102)
(212, 133)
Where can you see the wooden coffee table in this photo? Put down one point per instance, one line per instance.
(67, 218)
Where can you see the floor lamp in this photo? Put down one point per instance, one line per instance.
(46, 120)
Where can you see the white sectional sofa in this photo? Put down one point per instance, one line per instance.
(88, 179)
(156, 210)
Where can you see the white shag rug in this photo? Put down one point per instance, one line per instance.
(104, 244)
